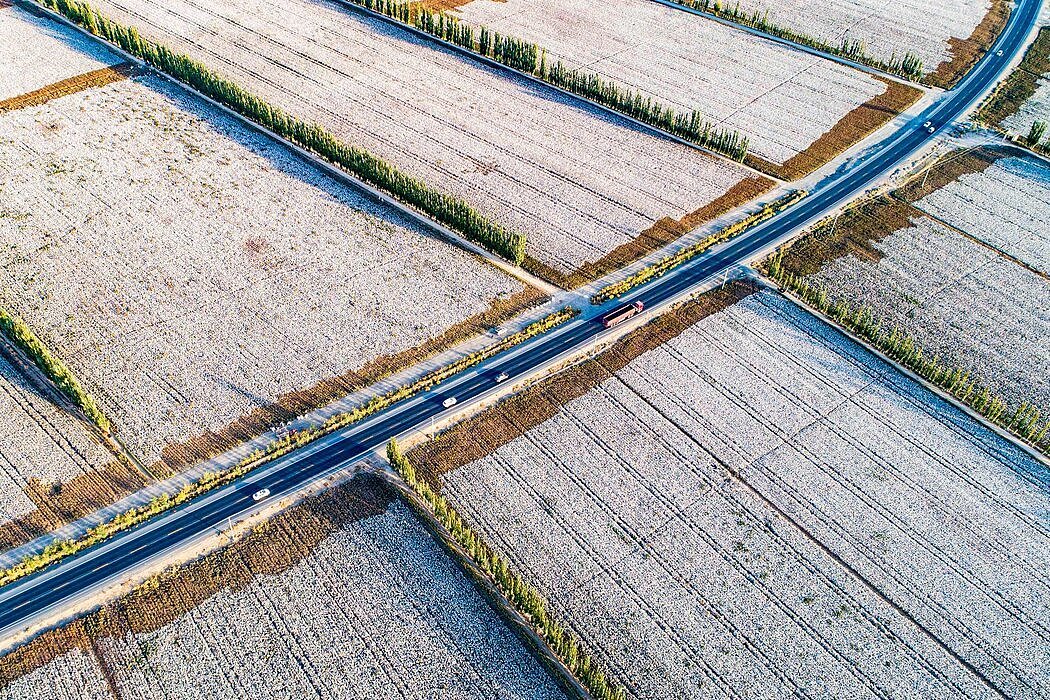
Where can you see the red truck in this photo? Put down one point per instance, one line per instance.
(621, 314)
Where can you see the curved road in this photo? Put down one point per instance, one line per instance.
(49, 591)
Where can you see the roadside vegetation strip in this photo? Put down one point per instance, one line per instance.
(1025, 420)
(211, 480)
(907, 66)
(451, 211)
(532, 59)
(69, 86)
(524, 597)
(1019, 87)
(665, 265)
(55, 369)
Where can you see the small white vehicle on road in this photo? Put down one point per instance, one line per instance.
(449, 402)
(502, 377)
(999, 52)
(260, 494)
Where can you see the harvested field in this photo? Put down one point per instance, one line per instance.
(41, 445)
(784, 101)
(578, 182)
(945, 34)
(36, 52)
(345, 595)
(750, 501)
(963, 269)
(193, 273)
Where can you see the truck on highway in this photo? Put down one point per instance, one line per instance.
(621, 314)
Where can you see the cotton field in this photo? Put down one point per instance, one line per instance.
(782, 100)
(887, 27)
(761, 508)
(971, 284)
(1035, 108)
(38, 440)
(377, 609)
(578, 182)
(191, 271)
(35, 52)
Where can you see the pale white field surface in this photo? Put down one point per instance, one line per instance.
(36, 52)
(1035, 108)
(38, 440)
(1006, 205)
(190, 270)
(578, 182)
(691, 581)
(377, 610)
(922, 27)
(962, 301)
(72, 676)
(782, 100)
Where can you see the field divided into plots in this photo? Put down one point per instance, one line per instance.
(36, 52)
(946, 35)
(964, 268)
(758, 507)
(577, 182)
(784, 101)
(193, 273)
(345, 595)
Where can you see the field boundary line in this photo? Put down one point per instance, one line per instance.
(911, 374)
(645, 126)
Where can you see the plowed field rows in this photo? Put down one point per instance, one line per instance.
(577, 182)
(368, 606)
(886, 26)
(36, 52)
(38, 441)
(191, 271)
(740, 512)
(972, 285)
(782, 100)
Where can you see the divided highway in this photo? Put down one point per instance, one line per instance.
(49, 591)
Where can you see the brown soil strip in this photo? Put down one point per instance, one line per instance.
(69, 86)
(476, 437)
(855, 126)
(1020, 85)
(5, 3)
(858, 229)
(663, 232)
(178, 456)
(966, 52)
(286, 539)
(58, 504)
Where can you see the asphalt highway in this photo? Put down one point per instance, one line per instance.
(51, 589)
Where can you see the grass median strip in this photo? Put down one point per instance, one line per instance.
(211, 480)
(665, 265)
(1025, 421)
(451, 211)
(521, 595)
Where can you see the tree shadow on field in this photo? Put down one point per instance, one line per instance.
(532, 88)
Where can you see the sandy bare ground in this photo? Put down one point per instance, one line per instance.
(740, 511)
(577, 182)
(36, 52)
(191, 271)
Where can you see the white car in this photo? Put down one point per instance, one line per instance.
(449, 402)
(260, 494)
(502, 377)
(999, 52)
